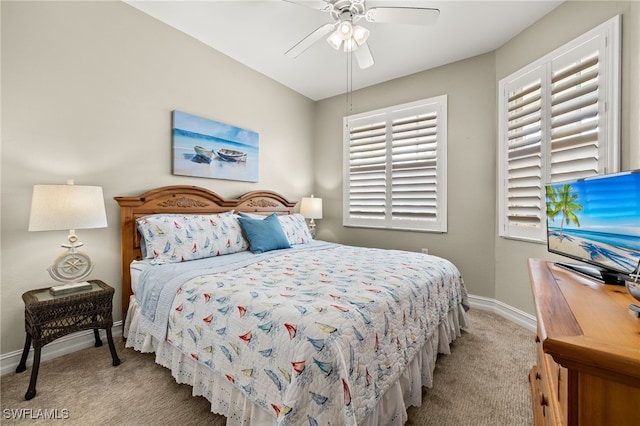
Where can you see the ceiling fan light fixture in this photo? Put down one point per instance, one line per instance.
(360, 34)
(345, 30)
(335, 40)
(350, 45)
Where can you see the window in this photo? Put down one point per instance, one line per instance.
(558, 120)
(394, 167)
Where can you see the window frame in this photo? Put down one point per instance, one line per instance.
(607, 35)
(437, 104)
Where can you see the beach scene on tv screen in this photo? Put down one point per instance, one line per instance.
(597, 221)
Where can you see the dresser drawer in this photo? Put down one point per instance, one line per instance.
(549, 383)
(588, 363)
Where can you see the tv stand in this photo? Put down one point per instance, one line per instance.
(600, 274)
(587, 370)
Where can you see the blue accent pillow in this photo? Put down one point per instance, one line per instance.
(264, 234)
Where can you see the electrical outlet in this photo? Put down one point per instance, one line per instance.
(425, 251)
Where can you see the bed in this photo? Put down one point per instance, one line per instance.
(272, 326)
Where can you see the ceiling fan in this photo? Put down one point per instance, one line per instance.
(346, 33)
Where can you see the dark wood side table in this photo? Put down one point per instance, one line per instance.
(48, 317)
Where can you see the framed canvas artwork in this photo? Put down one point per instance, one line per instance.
(209, 149)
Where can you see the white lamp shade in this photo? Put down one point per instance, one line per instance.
(67, 207)
(311, 208)
(345, 30)
(350, 45)
(335, 40)
(360, 34)
(353, 36)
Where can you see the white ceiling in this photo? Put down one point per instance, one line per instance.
(257, 33)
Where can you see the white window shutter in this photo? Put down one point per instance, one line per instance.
(558, 121)
(523, 157)
(367, 169)
(577, 113)
(394, 167)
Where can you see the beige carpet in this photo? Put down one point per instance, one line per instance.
(482, 382)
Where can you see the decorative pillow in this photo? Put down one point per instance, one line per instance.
(179, 238)
(295, 228)
(264, 234)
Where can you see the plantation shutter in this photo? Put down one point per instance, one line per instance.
(367, 169)
(524, 153)
(395, 167)
(414, 192)
(558, 121)
(577, 114)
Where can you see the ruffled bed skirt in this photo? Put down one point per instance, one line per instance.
(230, 402)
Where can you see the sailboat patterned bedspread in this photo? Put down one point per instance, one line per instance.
(315, 336)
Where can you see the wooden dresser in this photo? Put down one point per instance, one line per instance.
(588, 351)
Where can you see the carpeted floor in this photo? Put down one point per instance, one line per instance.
(482, 382)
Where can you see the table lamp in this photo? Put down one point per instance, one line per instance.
(311, 208)
(68, 207)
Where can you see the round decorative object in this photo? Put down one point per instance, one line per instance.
(71, 266)
(634, 288)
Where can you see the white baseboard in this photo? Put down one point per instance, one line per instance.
(84, 339)
(509, 312)
(62, 346)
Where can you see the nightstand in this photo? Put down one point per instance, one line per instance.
(48, 317)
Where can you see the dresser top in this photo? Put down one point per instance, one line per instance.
(584, 324)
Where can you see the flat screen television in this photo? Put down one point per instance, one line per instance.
(596, 221)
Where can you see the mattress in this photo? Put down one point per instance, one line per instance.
(136, 268)
(323, 334)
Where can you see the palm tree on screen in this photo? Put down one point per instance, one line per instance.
(552, 202)
(566, 205)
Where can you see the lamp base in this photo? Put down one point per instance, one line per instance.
(71, 266)
(68, 288)
(312, 228)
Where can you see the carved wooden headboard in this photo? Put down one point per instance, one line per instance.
(182, 199)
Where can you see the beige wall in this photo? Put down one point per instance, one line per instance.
(492, 267)
(470, 86)
(633, 34)
(87, 93)
(562, 25)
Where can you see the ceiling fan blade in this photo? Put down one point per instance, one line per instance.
(363, 56)
(314, 4)
(309, 40)
(403, 15)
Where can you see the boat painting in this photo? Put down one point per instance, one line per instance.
(204, 154)
(209, 149)
(231, 155)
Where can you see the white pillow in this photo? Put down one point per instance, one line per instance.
(170, 238)
(294, 227)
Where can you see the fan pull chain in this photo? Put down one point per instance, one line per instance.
(349, 97)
